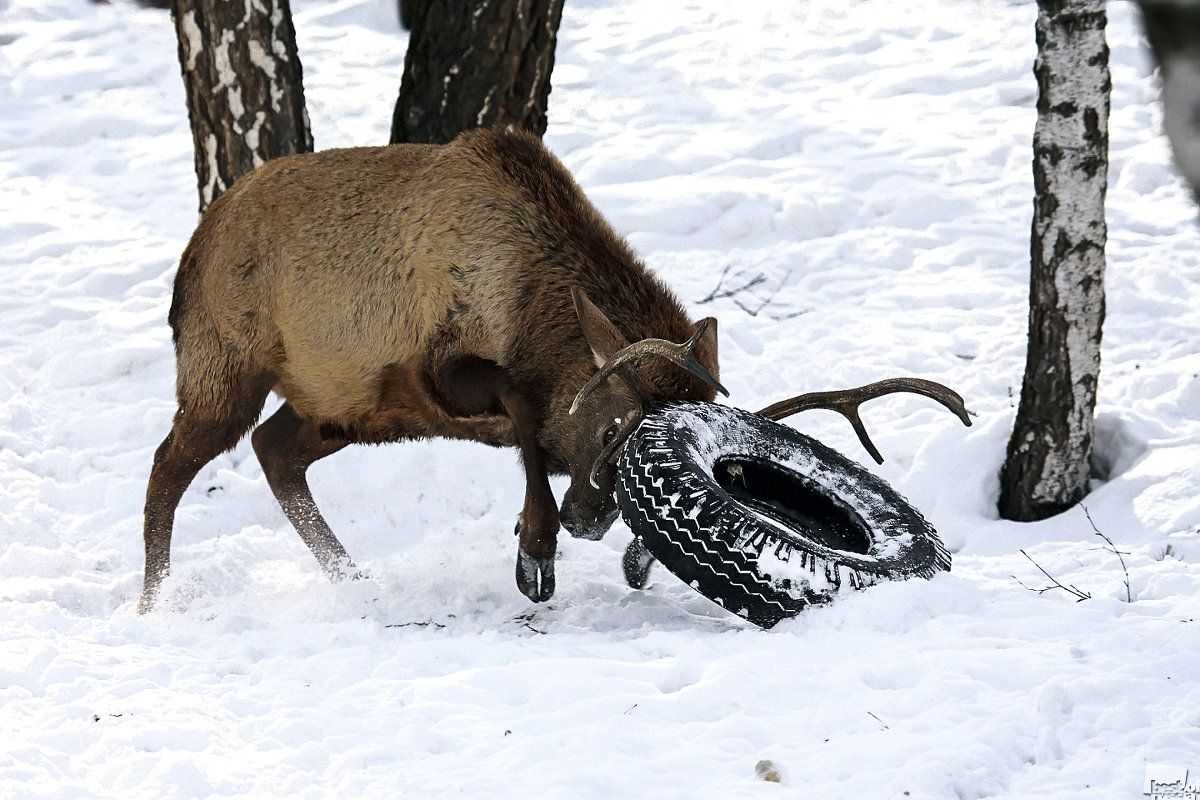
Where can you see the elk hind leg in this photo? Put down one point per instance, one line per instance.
(286, 446)
(195, 439)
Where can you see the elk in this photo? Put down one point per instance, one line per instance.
(467, 290)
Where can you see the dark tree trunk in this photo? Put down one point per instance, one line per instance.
(1046, 470)
(473, 64)
(1173, 28)
(244, 92)
(407, 10)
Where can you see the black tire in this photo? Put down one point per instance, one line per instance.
(761, 518)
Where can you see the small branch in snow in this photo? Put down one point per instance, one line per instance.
(717, 293)
(735, 294)
(877, 719)
(1055, 584)
(1167, 552)
(526, 621)
(1112, 548)
(766, 302)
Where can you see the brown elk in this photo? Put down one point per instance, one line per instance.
(467, 290)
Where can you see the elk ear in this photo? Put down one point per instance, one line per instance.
(706, 350)
(603, 337)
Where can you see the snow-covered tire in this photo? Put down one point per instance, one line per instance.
(761, 518)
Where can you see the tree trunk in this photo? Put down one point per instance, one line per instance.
(244, 92)
(1046, 470)
(1173, 28)
(473, 64)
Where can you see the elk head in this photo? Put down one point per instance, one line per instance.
(612, 403)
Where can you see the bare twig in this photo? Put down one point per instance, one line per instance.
(1071, 590)
(721, 280)
(717, 293)
(877, 719)
(735, 294)
(1112, 548)
(768, 300)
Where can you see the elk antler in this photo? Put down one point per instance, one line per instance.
(846, 403)
(679, 354)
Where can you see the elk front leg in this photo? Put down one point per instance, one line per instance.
(473, 385)
(537, 529)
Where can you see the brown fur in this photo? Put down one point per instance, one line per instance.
(401, 292)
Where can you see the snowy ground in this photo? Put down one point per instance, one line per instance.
(847, 187)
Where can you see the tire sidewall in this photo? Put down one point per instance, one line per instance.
(671, 499)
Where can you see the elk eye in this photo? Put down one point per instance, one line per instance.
(611, 433)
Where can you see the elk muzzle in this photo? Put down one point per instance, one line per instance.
(590, 512)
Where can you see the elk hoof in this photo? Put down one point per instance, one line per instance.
(636, 564)
(535, 576)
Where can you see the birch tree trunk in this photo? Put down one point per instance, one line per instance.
(1173, 28)
(244, 91)
(1046, 470)
(475, 63)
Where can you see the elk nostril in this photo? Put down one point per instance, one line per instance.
(589, 534)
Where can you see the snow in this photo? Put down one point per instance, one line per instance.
(847, 187)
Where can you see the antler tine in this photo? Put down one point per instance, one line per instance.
(846, 403)
(678, 354)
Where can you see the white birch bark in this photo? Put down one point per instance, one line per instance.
(1046, 470)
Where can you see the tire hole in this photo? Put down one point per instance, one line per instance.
(788, 500)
